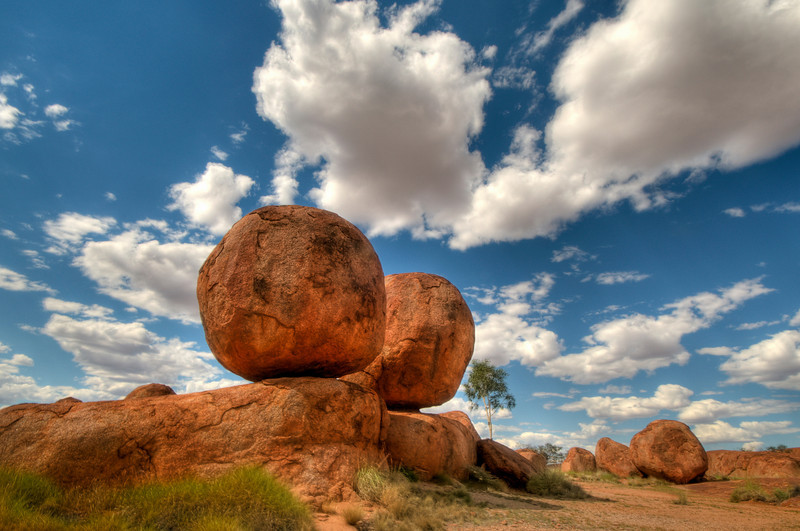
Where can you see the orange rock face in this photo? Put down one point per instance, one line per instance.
(732, 463)
(313, 433)
(148, 390)
(432, 444)
(430, 335)
(579, 460)
(615, 458)
(539, 461)
(668, 449)
(292, 291)
(505, 463)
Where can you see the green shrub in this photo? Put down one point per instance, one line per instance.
(480, 479)
(246, 498)
(554, 484)
(781, 495)
(749, 492)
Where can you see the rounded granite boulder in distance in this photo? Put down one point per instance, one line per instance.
(667, 449)
(293, 291)
(430, 335)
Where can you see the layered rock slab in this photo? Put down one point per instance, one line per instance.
(432, 444)
(505, 463)
(615, 457)
(733, 463)
(667, 449)
(579, 460)
(430, 335)
(313, 433)
(293, 291)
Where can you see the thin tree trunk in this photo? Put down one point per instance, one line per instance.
(488, 415)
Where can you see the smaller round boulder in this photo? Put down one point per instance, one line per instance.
(150, 390)
(429, 339)
(579, 460)
(615, 457)
(667, 449)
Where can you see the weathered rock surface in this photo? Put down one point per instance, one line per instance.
(151, 389)
(430, 335)
(505, 463)
(615, 457)
(313, 433)
(668, 449)
(736, 464)
(579, 460)
(539, 461)
(293, 291)
(431, 444)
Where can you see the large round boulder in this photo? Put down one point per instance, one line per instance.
(579, 460)
(668, 449)
(615, 457)
(430, 335)
(293, 291)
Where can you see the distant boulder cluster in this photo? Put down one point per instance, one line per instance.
(667, 449)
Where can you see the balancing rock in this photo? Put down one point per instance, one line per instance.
(293, 291)
(430, 335)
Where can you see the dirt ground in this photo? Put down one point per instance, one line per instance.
(619, 506)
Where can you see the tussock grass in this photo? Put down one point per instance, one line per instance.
(352, 514)
(480, 479)
(246, 498)
(598, 475)
(411, 505)
(751, 491)
(555, 484)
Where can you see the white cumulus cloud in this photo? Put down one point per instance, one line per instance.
(210, 201)
(387, 112)
(622, 347)
(70, 230)
(667, 396)
(773, 362)
(12, 281)
(721, 431)
(140, 270)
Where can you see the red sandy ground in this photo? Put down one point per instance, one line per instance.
(619, 506)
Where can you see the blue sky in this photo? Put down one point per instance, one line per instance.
(613, 186)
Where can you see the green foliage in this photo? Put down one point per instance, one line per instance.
(247, 498)
(779, 448)
(486, 386)
(554, 454)
(480, 479)
(554, 484)
(749, 492)
(782, 495)
(598, 475)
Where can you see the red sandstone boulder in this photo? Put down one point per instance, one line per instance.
(313, 433)
(539, 461)
(732, 463)
(292, 291)
(615, 457)
(431, 444)
(579, 460)
(429, 339)
(148, 390)
(668, 449)
(505, 463)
